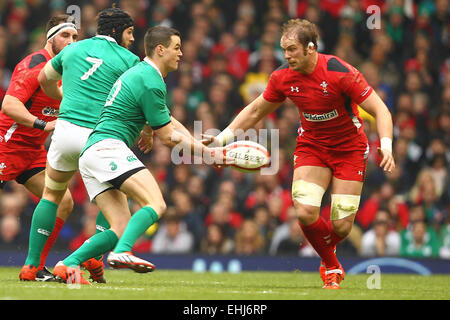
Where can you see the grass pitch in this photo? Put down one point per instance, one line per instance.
(187, 285)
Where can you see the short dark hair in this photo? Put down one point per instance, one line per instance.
(112, 22)
(55, 20)
(156, 36)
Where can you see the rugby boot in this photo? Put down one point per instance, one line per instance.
(95, 268)
(128, 260)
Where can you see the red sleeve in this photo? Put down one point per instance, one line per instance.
(354, 85)
(272, 93)
(24, 82)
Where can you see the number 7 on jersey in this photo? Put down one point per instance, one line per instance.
(96, 64)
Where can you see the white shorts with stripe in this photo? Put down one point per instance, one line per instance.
(106, 164)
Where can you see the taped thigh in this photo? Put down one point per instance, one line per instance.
(343, 205)
(307, 193)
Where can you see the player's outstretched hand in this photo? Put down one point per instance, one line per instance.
(217, 157)
(387, 160)
(50, 126)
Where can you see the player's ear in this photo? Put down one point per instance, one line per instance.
(160, 49)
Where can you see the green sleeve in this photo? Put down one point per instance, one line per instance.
(57, 62)
(153, 102)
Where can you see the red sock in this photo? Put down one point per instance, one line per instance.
(319, 236)
(50, 241)
(335, 239)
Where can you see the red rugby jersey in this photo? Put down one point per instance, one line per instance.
(327, 100)
(24, 86)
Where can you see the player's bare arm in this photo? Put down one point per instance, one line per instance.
(16, 110)
(48, 79)
(376, 107)
(246, 119)
(180, 128)
(145, 141)
(170, 136)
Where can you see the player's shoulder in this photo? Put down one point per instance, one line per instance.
(150, 78)
(335, 64)
(69, 50)
(129, 56)
(108, 41)
(280, 72)
(35, 59)
(136, 75)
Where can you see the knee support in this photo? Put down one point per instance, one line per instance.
(307, 193)
(343, 205)
(55, 185)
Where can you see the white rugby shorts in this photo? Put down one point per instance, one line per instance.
(68, 140)
(106, 165)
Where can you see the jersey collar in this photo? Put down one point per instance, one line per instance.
(150, 62)
(106, 37)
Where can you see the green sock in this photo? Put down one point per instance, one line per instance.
(96, 245)
(42, 224)
(139, 222)
(101, 224)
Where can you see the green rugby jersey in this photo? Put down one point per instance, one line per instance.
(89, 69)
(138, 96)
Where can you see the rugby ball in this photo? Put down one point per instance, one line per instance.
(249, 156)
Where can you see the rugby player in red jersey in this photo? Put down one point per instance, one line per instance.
(27, 117)
(331, 146)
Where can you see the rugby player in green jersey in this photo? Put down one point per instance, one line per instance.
(88, 70)
(111, 171)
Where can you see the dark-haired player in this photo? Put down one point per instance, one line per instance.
(331, 146)
(88, 69)
(27, 117)
(109, 168)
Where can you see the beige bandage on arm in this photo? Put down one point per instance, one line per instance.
(343, 205)
(307, 193)
(50, 72)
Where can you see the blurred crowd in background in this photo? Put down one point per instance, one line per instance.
(229, 50)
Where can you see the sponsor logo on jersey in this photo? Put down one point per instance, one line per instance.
(295, 89)
(320, 117)
(50, 112)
